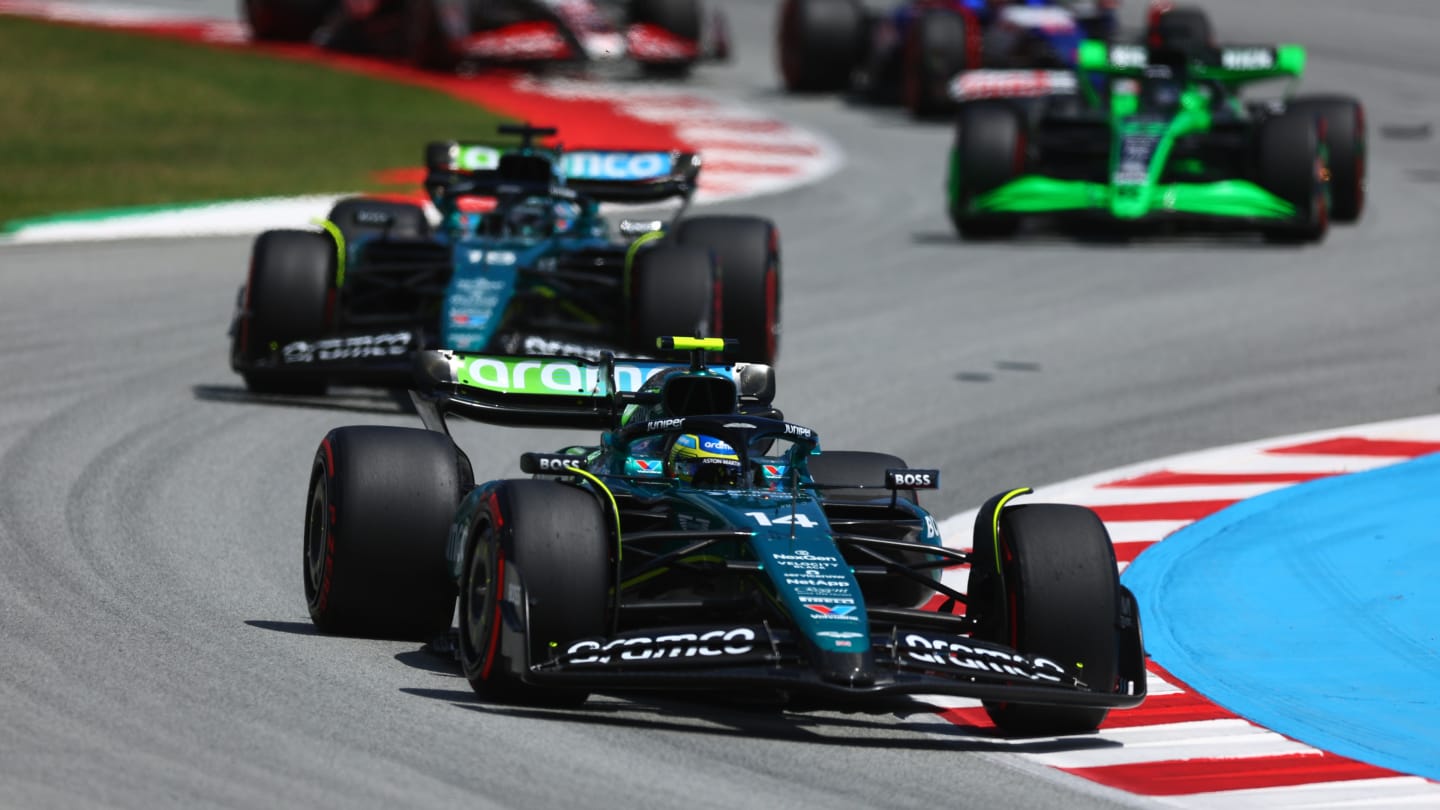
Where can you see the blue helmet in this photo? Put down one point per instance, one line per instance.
(705, 462)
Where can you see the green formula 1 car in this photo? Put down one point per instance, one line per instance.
(1141, 135)
(704, 543)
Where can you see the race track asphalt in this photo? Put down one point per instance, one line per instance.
(156, 646)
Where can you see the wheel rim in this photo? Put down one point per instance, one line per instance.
(479, 613)
(317, 541)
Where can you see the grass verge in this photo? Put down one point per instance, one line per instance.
(97, 119)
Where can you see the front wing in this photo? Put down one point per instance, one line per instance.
(761, 657)
(1237, 200)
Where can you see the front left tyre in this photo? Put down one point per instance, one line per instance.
(377, 524)
(1048, 586)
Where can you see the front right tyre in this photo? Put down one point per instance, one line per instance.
(536, 575)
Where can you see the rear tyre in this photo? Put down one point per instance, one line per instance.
(820, 43)
(673, 290)
(366, 216)
(866, 469)
(426, 45)
(678, 17)
(935, 51)
(989, 151)
(547, 542)
(1060, 599)
(857, 468)
(1345, 146)
(1182, 31)
(747, 250)
(1292, 168)
(285, 298)
(283, 20)
(381, 503)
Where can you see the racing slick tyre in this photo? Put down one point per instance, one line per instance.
(536, 573)
(1053, 592)
(1292, 167)
(381, 503)
(284, 301)
(747, 250)
(363, 216)
(1181, 30)
(678, 17)
(989, 151)
(425, 44)
(864, 472)
(1345, 145)
(854, 475)
(672, 290)
(820, 42)
(283, 20)
(936, 48)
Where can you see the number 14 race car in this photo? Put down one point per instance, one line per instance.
(705, 543)
(666, 37)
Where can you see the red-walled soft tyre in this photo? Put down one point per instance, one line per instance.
(284, 20)
(377, 524)
(545, 544)
(748, 252)
(936, 50)
(1345, 144)
(819, 43)
(1054, 591)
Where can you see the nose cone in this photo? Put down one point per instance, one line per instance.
(848, 669)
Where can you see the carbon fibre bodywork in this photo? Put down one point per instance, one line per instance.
(1142, 137)
(783, 583)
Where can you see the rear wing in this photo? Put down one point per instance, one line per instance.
(552, 390)
(1231, 64)
(609, 175)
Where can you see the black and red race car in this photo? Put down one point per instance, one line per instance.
(662, 37)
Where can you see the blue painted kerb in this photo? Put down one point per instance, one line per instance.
(1313, 611)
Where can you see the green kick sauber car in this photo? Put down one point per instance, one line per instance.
(1160, 136)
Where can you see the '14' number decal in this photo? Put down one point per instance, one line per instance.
(783, 520)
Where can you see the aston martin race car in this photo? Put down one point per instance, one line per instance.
(521, 261)
(666, 37)
(705, 542)
(910, 54)
(1139, 134)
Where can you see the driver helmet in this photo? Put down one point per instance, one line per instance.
(705, 462)
(567, 214)
(531, 218)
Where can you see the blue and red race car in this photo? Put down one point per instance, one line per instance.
(911, 54)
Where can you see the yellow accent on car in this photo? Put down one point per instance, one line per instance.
(690, 344)
(640, 241)
(614, 507)
(995, 524)
(339, 237)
